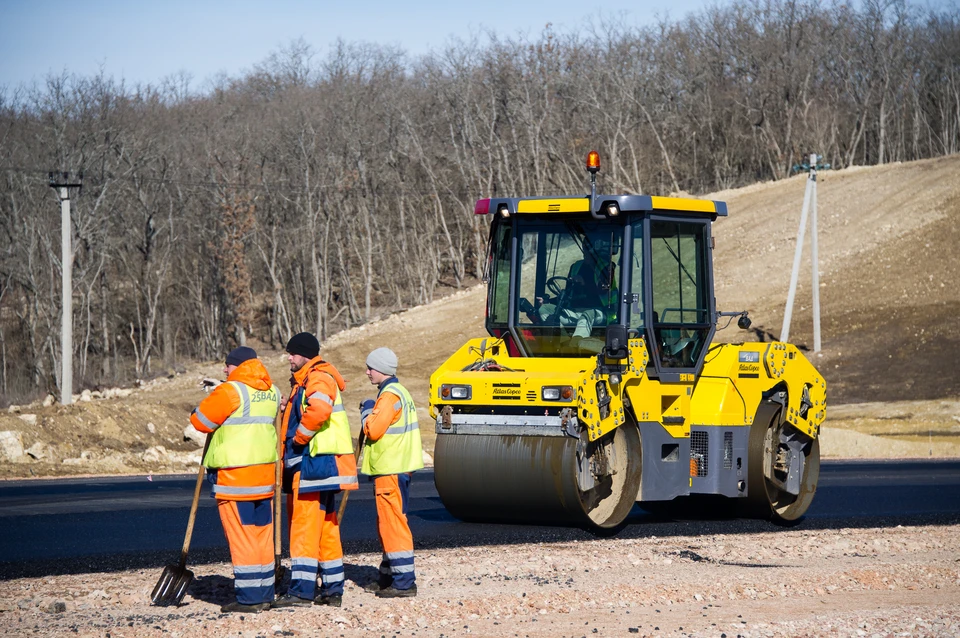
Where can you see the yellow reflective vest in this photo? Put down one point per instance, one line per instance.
(399, 449)
(333, 437)
(248, 436)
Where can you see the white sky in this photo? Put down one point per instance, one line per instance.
(147, 40)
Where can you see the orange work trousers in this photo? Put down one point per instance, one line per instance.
(392, 494)
(248, 526)
(314, 543)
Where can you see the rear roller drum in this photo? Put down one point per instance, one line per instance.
(784, 467)
(539, 479)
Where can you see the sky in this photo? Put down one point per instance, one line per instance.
(144, 42)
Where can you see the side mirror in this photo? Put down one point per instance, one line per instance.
(616, 344)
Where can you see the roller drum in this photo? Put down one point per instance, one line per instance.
(533, 479)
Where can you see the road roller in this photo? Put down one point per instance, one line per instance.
(600, 385)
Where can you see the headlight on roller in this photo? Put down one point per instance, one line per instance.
(456, 392)
(563, 393)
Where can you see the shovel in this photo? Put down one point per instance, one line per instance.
(175, 579)
(343, 501)
(278, 568)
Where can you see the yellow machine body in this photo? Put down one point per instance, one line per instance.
(573, 415)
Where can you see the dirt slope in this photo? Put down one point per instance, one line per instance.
(891, 338)
(888, 272)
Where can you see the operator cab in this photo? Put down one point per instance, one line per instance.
(560, 273)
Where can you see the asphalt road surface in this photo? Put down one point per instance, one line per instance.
(71, 525)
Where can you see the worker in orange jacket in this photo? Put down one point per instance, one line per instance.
(393, 452)
(318, 463)
(240, 459)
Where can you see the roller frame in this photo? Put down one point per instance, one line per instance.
(507, 424)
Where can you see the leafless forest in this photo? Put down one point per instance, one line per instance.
(319, 190)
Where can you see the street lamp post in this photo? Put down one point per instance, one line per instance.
(61, 183)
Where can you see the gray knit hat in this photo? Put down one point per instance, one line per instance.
(383, 360)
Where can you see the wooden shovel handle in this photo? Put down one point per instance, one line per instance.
(278, 484)
(193, 506)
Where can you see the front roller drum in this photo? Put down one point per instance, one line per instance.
(539, 479)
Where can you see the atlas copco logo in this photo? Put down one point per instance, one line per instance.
(506, 390)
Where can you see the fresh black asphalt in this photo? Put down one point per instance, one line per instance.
(75, 525)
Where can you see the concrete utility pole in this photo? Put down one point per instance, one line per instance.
(809, 202)
(61, 183)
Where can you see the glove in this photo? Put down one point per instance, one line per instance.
(366, 407)
(209, 384)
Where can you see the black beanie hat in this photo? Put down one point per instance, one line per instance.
(304, 344)
(239, 355)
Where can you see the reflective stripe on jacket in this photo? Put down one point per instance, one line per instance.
(399, 449)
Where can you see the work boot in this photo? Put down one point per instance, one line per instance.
(238, 607)
(289, 600)
(334, 600)
(393, 592)
(375, 586)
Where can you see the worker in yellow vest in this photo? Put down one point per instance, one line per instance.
(319, 462)
(240, 460)
(393, 452)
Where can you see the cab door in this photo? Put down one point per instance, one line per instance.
(681, 307)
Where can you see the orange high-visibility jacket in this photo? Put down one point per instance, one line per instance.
(219, 405)
(318, 377)
(386, 412)
(393, 432)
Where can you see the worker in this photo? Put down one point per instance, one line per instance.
(590, 297)
(319, 462)
(238, 416)
(393, 453)
(593, 285)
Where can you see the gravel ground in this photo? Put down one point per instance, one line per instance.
(882, 581)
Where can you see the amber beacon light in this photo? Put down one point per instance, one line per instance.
(593, 161)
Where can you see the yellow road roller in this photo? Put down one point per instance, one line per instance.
(599, 384)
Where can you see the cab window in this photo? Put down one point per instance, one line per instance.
(679, 275)
(498, 299)
(634, 317)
